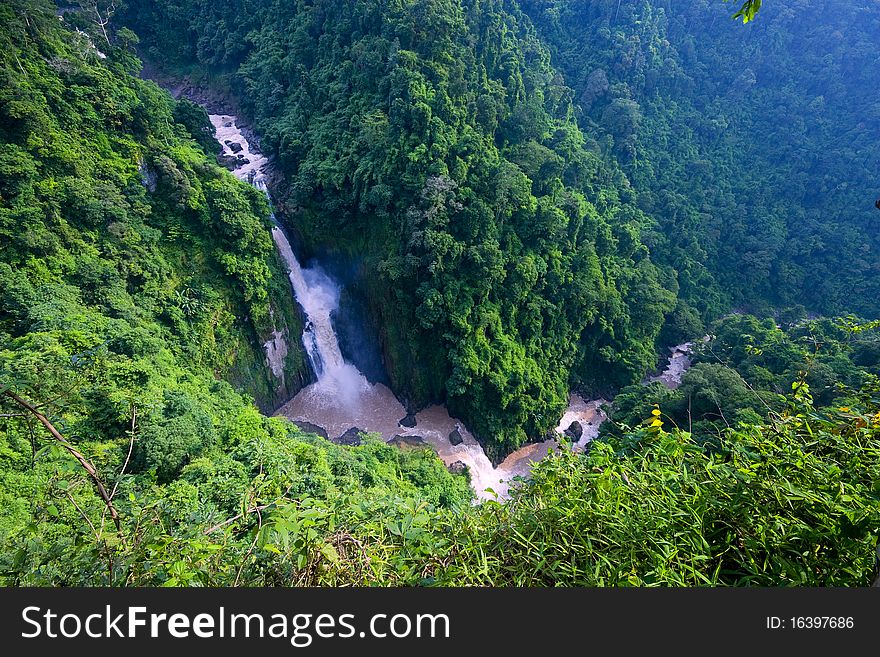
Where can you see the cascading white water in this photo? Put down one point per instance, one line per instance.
(677, 365)
(319, 297)
(339, 383)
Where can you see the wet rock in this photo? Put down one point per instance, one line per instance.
(149, 178)
(409, 421)
(235, 147)
(458, 468)
(308, 427)
(229, 162)
(455, 437)
(407, 441)
(575, 431)
(352, 437)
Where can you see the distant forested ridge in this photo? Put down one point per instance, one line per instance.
(755, 147)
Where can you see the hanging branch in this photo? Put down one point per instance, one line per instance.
(124, 465)
(748, 10)
(102, 21)
(83, 461)
(134, 411)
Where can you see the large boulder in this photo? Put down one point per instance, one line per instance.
(409, 421)
(407, 442)
(308, 427)
(575, 431)
(458, 468)
(455, 437)
(352, 437)
(228, 161)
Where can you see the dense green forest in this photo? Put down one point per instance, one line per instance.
(755, 148)
(523, 225)
(541, 193)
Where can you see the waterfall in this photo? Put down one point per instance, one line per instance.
(342, 398)
(315, 292)
(318, 296)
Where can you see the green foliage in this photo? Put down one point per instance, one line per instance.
(741, 374)
(748, 10)
(790, 504)
(739, 151)
(177, 433)
(682, 325)
(195, 119)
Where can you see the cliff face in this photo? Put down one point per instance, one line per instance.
(273, 367)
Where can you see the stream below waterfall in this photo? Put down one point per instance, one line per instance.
(342, 398)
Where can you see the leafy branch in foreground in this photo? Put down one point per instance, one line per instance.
(748, 11)
(83, 461)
